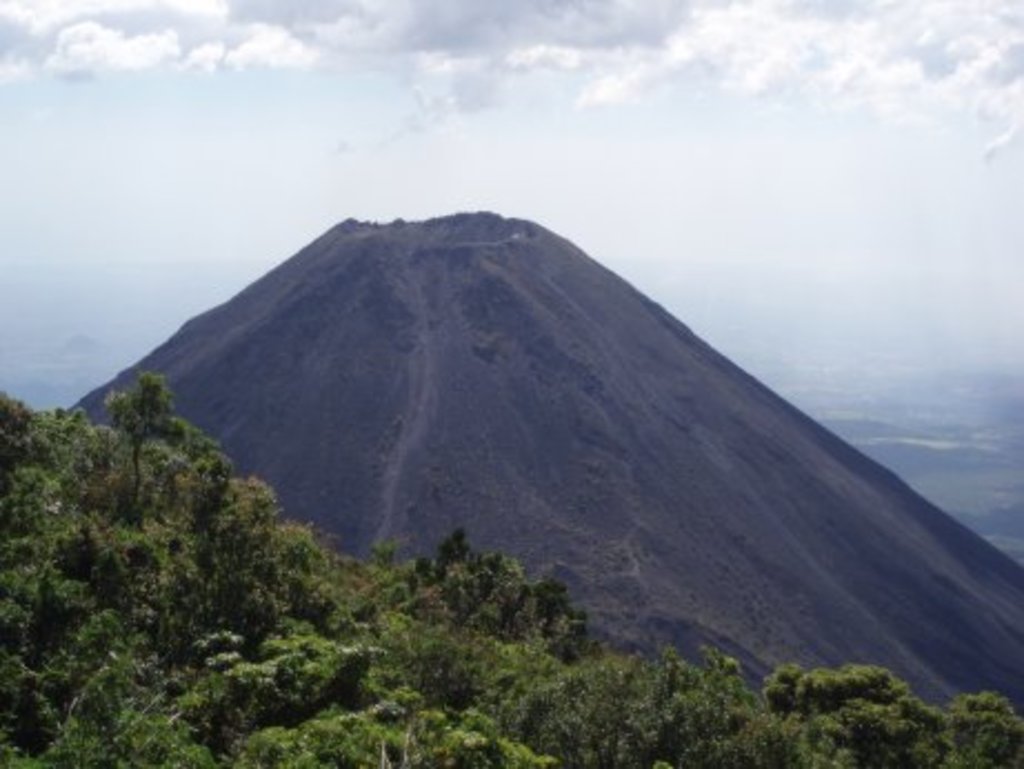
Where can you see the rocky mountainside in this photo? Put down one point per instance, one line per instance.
(400, 380)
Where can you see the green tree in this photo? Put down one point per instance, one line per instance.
(986, 733)
(140, 414)
(490, 593)
(860, 711)
(15, 419)
(209, 632)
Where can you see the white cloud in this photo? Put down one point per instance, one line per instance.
(205, 58)
(911, 60)
(1001, 142)
(448, 87)
(88, 47)
(904, 60)
(217, 8)
(12, 70)
(546, 57)
(273, 47)
(622, 87)
(40, 17)
(292, 13)
(752, 46)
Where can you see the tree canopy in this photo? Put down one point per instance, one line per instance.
(157, 611)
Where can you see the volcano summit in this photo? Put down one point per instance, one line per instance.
(401, 380)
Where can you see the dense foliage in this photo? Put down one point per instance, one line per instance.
(155, 611)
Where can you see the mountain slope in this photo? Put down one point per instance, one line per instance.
(402, 380)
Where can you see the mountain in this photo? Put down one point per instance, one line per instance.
(402, 380)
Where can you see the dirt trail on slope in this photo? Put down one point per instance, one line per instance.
(420, 407)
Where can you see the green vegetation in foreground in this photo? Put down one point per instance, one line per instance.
(155, 611)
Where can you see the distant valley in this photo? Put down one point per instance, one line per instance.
(958, 441)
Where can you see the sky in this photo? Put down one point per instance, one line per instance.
(809, 185)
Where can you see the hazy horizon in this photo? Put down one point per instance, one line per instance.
(810, 187)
